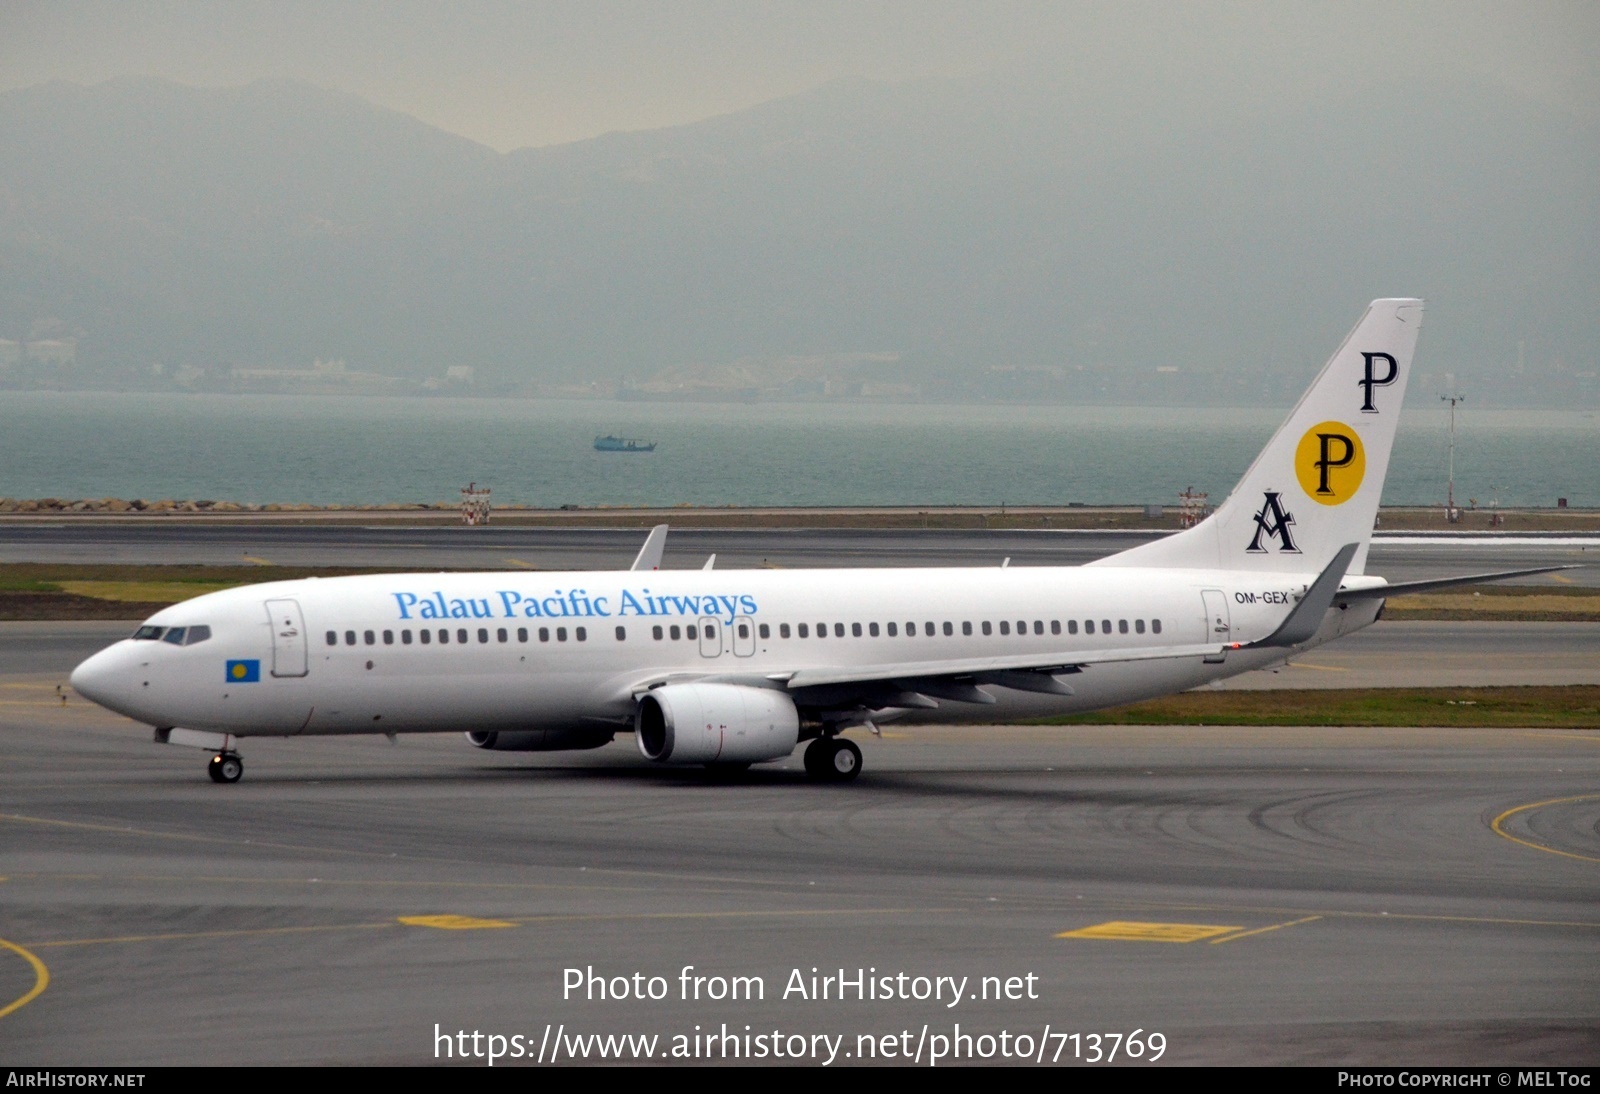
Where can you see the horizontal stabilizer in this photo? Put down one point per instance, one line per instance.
(1381, 592)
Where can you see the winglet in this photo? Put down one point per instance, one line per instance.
(655, 544)
(1306, 618)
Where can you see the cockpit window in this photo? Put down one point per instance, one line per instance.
(149, 634)
(197, 634)
(174, 635)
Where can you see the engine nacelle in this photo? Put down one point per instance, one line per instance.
(715, 723)
(542, 740)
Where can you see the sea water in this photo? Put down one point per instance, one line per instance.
(368, 450)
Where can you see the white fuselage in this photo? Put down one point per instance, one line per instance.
(530, 651)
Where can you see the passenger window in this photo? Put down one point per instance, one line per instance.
(766, 631)
(783, 630)
(1055, 626)
(708, 631)
(691, 632)
(483, 634)
(911, 630)
(1038, 626)
(676, 633)
(1072, 626)
(561, 634)
(522, 634)
(1022, 626)
(370, 638)
(544, 634)
(1122, 626)
(1088, 626)
(1155, 625)
(948, 629)
(333, 636)
(927, 629)
(622, 634)
(1138, 626)
(805, 630)
(388, 638)
(744, 630)
(426, 636)
(349, 638)
(444, 637)
(1105, 626)
(582, 634)
(855, 630)
(822, 630)
(174, 635)
(872, 630)
(656, 632)
(461, 635)
(1005, 626)
(966, 628)
(197, 634)
(986, 627)
(894, 631)
(501, 635)
(405, 638)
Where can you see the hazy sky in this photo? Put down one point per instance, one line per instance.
(513, 74)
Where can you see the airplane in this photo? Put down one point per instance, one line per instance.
(726, 668)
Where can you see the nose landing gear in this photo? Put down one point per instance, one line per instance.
(833, 760)
(226, 767)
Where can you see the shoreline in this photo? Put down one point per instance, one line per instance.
(1103, 518)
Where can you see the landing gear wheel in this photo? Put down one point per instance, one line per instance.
(818, 757)
(845, 763)
(226, 767)
(833, 760)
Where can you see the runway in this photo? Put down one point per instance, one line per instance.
(1252, 895)
(1409, 557)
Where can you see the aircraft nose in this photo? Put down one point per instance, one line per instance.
(95, 679)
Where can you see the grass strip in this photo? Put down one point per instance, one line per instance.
(1573, 707)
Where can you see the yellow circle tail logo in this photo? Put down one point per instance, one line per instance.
(240, 672)
(1330, 463)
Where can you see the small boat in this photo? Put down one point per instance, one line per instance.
(612, 443)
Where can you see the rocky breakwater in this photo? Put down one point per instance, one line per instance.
(169, 505)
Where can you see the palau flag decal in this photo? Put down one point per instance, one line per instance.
(244, 672)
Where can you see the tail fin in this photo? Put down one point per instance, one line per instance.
(1315, 487)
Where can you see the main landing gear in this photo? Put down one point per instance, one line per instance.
(833, 760)
(226, 767)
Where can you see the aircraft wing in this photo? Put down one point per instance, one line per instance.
(1044, 662)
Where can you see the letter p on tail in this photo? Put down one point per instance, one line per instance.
(1316, 485)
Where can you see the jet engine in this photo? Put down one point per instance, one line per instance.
(543, 740)
(715, 723)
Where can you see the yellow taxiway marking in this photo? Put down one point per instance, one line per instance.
(257, 561)
(41, 978)
(1561, 578)
(454, 922)
(1264, 930)
(1127, 931)
(1494, 826)
(524, 565)
(1319, 668)
(515, 921)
